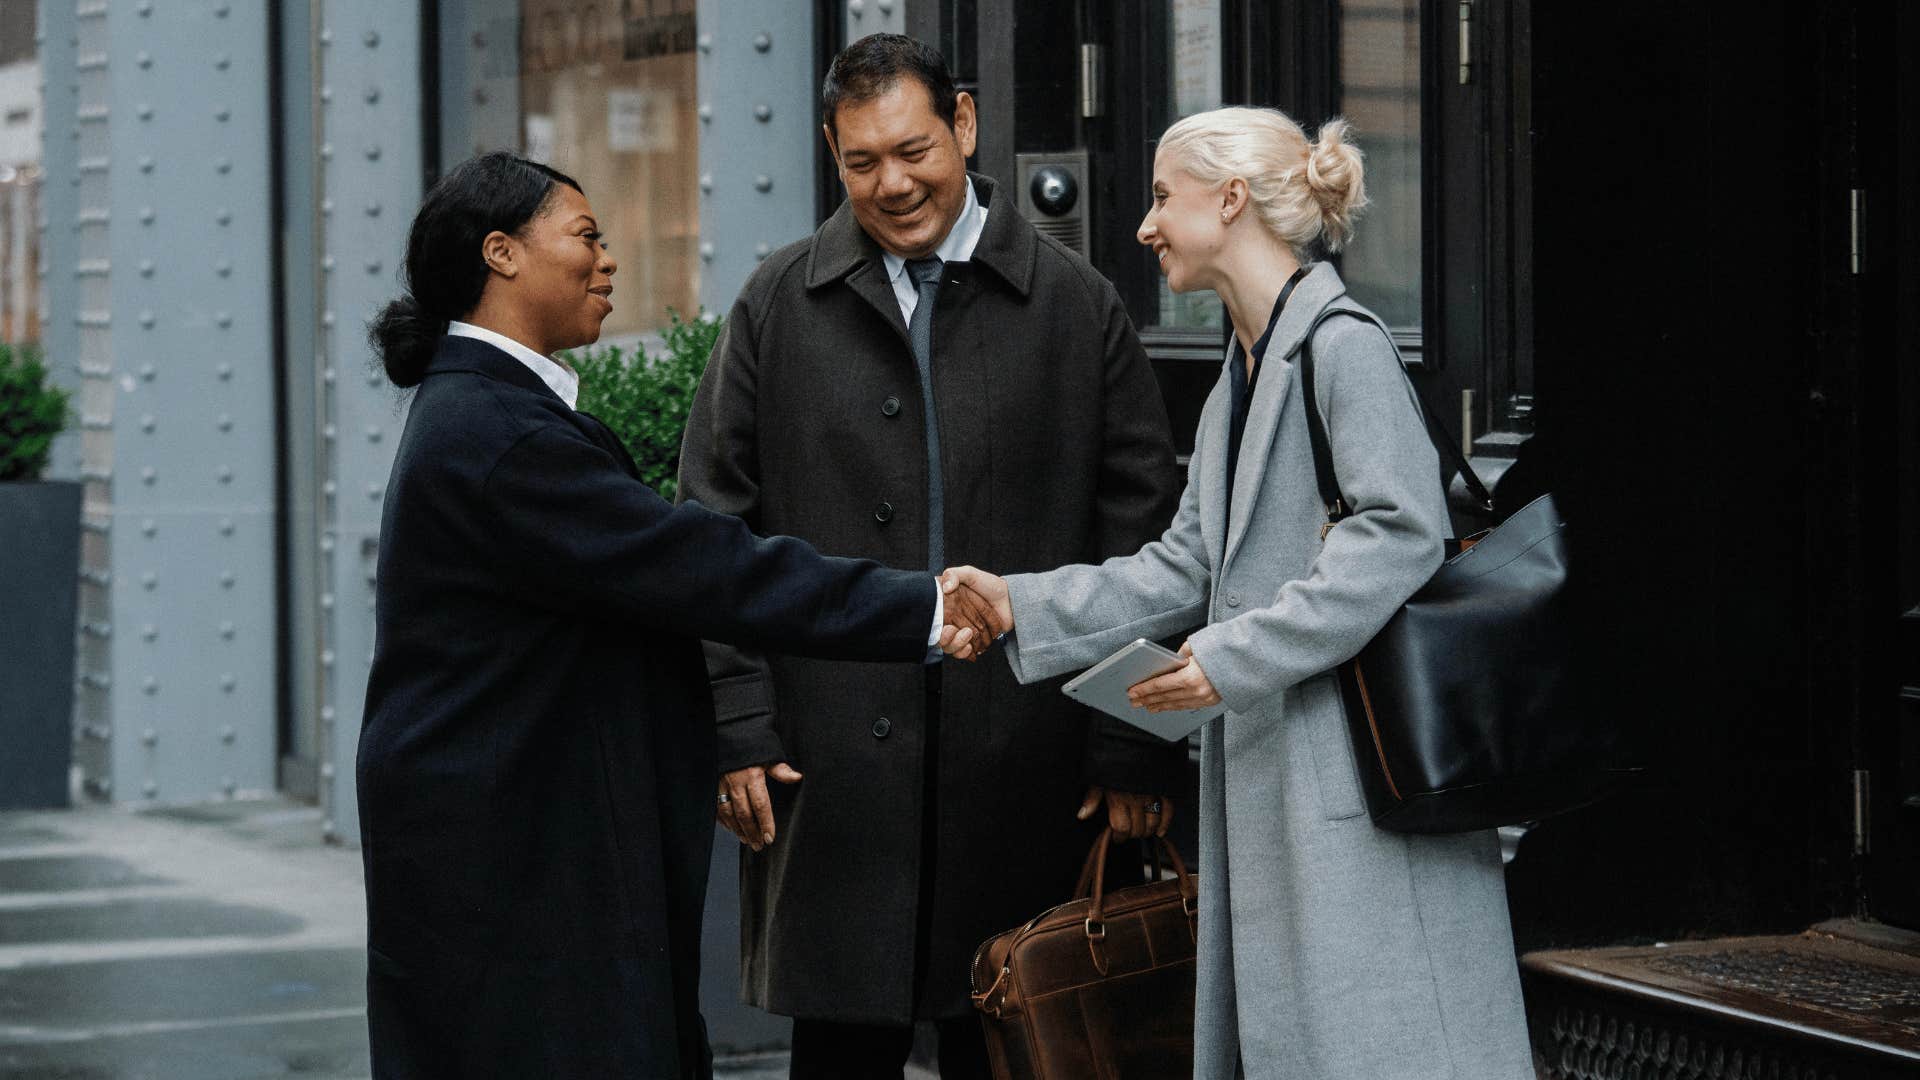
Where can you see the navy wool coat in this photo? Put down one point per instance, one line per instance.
(536, 766)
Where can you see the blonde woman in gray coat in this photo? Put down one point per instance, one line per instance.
(1329, 949)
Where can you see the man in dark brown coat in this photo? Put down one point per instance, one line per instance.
(941, 803)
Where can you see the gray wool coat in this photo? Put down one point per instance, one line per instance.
(1329, 949)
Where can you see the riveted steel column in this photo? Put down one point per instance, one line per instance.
(371, 163)
(57, 34)
(877, 17)
(176, 207)
(757, 131)
(479, 78)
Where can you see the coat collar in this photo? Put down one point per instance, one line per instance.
(1320, 287)
(1007, 245)
(471, 354)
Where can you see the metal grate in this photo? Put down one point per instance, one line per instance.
(1831, 982)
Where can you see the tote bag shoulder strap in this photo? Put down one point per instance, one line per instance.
(1323, 473)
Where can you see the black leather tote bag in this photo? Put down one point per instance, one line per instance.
(1461, 708)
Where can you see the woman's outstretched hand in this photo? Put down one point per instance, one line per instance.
(1185, 687)
(979, 601)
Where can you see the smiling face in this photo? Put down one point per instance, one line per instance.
(558, 271)
(1184, 226)
(905, 170)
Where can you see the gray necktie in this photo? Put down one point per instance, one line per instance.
(926, 281)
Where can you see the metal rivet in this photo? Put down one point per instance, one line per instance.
(146, 215)
(226, 579)
(327, 376)
(706, 114)
(227, 683)
(326, 658)
(223, 61)
(479, 40)
(327, 713)
(220, 11)
(885, 6)
(223, 114)
(373, 209)
(224, 473)
(225, 371)
(223, 267)
(372, 95)
(223, 166)
(326, 770)
(856, 7)
(223, 215)
(326, 601)
(147, 319)
(326, 206)
(480, 97)
(146, 267)
(144, 59)
(762, 41)
(374, 491)
(146, 163)
(149, 632)
(149, 581)
(327, 489)
(150, 789)
(225, 422)
(226, 526)
(373, 152)
(326, 35)
(373, 433)
(149, 527)
(147, 422)
(326, 151)
(143, 110)
(147, 372)
(149, 736)
(373, 266)
(148, 476)
(762, 250)
(706, 250)
(150, 684)
(706, 43)
(326, 94)
(223, 320)
(706, 182)
(763, 183)
(144, 7)
(326, 318)
(372, 39)
(329, 433)
(763, 112)
(227, 630)
(227, 785)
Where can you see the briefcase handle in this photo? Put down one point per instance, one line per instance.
(1094, 874)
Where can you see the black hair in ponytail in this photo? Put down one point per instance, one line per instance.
(444, 270)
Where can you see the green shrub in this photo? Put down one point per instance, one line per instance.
(645, 399)
(31, 413)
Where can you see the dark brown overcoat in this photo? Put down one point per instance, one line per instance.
(1055, 449)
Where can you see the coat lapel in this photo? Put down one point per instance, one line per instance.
(1214, 431)
(1320, 287)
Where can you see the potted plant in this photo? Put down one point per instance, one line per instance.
(39, 586)
(644, 399)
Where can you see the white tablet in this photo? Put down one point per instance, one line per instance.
(1104, 686)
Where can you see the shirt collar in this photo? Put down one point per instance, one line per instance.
(960, 241)
(562, 380)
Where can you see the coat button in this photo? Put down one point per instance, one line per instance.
(1233, 599)
(890, 407)
(882, 727)
(883, 513)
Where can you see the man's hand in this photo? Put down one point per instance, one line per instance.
(742, 805)
(981, 600)
(1130, 816)
(1185, 687)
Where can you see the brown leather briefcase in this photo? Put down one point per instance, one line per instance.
(1100, 987)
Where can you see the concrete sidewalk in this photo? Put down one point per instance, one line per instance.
(215, 942)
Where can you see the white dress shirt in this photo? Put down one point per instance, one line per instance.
(562, 380)
(565, 382)
(957, 247)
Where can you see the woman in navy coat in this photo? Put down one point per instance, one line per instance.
(536, 766)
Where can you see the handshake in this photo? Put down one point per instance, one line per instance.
(978, 611)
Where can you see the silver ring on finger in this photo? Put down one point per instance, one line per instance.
(1153, 807)
(723, 798)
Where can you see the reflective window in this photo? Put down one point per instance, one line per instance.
(603, 90)
(1379, 92)
(1190, 83)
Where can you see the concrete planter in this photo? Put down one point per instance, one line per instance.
(39, 594)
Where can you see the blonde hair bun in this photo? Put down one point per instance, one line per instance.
(1304, 192)
(1335, 175)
